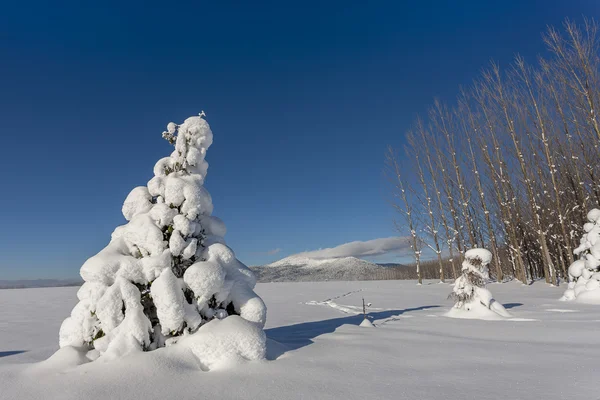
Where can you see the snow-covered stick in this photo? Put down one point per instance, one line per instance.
(167, 272)
(366, 322)
(365, 306)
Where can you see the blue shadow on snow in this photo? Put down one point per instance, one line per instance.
(11, 353)
(296, 336)
(508, 306)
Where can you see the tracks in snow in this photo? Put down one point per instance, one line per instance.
(342, 295)
(346, 309)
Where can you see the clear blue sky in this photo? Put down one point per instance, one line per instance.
(303, 99)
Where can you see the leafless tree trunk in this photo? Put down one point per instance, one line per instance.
(404, 207)
(470, 131)
(433, 174)
(432, 228)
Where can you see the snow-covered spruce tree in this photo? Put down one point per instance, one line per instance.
(167, 272)
(473, 300)
(584, 273)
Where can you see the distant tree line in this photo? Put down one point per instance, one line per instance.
(512, 166)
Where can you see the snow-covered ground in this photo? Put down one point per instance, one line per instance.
(548, 350)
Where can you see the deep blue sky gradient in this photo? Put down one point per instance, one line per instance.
(303, 98)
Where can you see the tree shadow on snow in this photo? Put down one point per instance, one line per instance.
(508, 306)
(11, 353)
(293, 337)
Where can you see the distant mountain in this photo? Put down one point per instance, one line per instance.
(303, 269)
(393, 265)
(38, 283)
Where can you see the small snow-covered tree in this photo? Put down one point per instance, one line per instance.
(167, 271)
(584, 273)
(473, 300)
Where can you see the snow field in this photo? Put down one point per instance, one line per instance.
(320, 352)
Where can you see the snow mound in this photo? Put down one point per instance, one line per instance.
(366, 323)
(64, 359)
(222, 343)
(478, 310)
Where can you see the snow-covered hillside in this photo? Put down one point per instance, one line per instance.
(304, 269)
(548, 350)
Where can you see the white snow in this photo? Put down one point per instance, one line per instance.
(584, 273)
(477, 310)
(484, 255)
(137, 202)
(168, 298)
(322, 352)
(224, 343)
(204, 277)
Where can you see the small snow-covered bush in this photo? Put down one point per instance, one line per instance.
(167, 271)
(584, 273)
(473, 300)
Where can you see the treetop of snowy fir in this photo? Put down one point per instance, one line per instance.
(477, 259)
(594, 215)
(168, 270)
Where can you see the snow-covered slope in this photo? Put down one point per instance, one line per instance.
(549, 350)
(297, 269)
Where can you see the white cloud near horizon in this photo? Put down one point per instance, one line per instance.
(269, 252)
(369, 248)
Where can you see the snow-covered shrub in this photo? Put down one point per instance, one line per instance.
(473, 300)
(167, 271)
(584, 273)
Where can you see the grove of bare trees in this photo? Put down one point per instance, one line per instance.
(511, 166)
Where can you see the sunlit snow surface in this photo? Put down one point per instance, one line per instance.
(548, 350)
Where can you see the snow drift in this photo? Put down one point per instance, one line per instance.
(322, 353)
